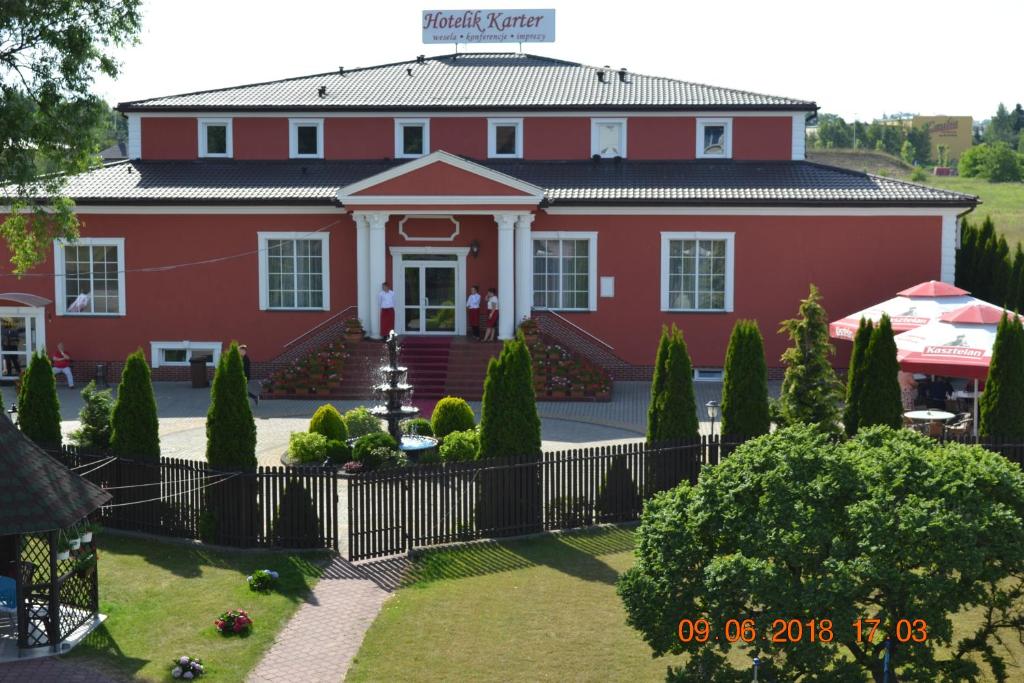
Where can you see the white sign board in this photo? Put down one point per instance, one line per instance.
(489, 26)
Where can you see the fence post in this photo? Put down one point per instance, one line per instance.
(406, 476)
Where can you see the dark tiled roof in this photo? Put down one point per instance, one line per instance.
(565, 182)
(471, 81)
(37, 493)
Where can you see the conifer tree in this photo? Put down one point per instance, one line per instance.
(810, 390)
(135, 428)
(965, 255)
(1015, 290)
(880, 402)
(492, 407)
(1002, 402)
(677, 406)
(38, 406)
(745, 383)
(509, 424)
(658, 383)
(855, 376)
(230, 429)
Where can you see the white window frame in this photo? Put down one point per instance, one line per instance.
(203, 151)
(708, 374)
(592, 283)
(400, 125)
(727, 143)
(293, 138)
(59, 265)
(155, 349)
(492, 125)
(730, 268)
(595, 142)
(264, 267)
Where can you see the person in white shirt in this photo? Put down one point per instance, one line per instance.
(492, 315)
(386, 297)
(473, 312)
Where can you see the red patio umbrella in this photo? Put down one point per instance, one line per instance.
(911, 308)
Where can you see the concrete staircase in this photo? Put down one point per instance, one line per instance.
(467, 367)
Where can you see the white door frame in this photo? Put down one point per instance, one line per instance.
(36, 312)
(398, 275)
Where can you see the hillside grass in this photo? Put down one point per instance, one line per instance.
(1004, 202)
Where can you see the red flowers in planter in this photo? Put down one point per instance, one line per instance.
(233, 621)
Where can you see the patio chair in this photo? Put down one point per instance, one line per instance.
(960, 426)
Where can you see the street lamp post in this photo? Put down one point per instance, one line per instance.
(713, 408)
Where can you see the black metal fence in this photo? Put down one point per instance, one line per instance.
(271, 506)
(395, 511)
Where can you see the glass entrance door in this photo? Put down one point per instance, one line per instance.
(430, 297)
(20, 336)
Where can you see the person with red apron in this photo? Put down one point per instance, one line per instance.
(62, 365)
(386, 297)
(473, 312)
(492, 315)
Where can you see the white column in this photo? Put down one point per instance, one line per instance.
(378, 267)
(506, 275)
(524, 267)
(363, 290)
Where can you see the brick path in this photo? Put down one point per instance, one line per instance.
(319, 642)
(49, 669)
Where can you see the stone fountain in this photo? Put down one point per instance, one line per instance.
(395, 388)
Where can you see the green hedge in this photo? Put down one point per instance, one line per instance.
(365, 447)
(360, 422)
(327, 421)
(451, 414)
(461, 446)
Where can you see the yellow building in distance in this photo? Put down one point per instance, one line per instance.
(955, 132)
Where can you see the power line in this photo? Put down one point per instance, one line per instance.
(93, 466)
(158, 483)
(179, 493)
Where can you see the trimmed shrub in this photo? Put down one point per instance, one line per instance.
(1002, 402)
(855, 376)
(417, 425)
(230, 429)
(360, 422)
(509, 425)
(460, 446)
(38, 407)
(658, 384)
(619, 499)
(135, 429)
(880, 402)
(745, 383)
(365, 449)
(389, 457)
(296, 523)
(676, 417)
(327, 421)
(451, 414)
(307, 447)
(338, 452)
(95, 415)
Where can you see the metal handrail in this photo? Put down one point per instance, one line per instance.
(569, 322)
(319, 325)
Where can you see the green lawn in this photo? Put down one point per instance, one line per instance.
(534, 610)
(161, 599)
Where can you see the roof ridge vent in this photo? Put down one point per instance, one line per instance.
(321, 91)
(408, 71)
(420, 59)
(622, 75)
(600, 75)
(341, 71)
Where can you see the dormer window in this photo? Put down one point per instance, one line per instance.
(714, 138)
(505, 138)
(412, 138)
(214, 137)
(608, 138)
(306, 138)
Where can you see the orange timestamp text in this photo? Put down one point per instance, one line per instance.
(801, 630)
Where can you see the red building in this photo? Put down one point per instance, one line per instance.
(615, 200)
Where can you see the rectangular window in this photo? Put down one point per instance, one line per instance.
(294, 271)
(215, 138)
(714, 138)
(505, 138)
(697, 271)
(180, 353)
(608, 138)
(90, 276)
(412, 138)
(564, 271)
(306, 138)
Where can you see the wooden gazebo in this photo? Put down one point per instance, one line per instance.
(55, 600)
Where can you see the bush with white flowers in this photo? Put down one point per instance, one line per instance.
(187, 668)
(262, 580)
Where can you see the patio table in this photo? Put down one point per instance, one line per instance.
(927, 416)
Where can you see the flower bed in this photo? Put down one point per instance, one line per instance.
(318, 374)
(560, 375)
(233, 621)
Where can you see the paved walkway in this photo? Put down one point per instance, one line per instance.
(320, 641)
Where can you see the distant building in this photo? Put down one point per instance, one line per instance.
(952, 131)
(118, 152)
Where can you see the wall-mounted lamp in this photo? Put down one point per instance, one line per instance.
(474, 248)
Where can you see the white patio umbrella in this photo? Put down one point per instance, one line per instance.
(911, 308)
(958, 344)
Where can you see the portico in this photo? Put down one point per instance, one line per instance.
(409, 224)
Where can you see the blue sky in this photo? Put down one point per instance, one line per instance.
(858, 59)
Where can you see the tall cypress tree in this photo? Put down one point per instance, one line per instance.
(1015, 293)
(810, 389)
(745, 383)
(526, 422)
(965, 256)
(493, 414)
(135, 429)
(38, 406)
(677, 405)
(230, 429)
(1002, 402)
(658, 383)
(855, 376)
(880, 402)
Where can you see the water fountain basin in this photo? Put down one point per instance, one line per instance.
(414, 443)
(406, 411)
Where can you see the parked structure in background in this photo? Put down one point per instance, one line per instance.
(954, 132)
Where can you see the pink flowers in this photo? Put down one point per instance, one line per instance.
(233, 621)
